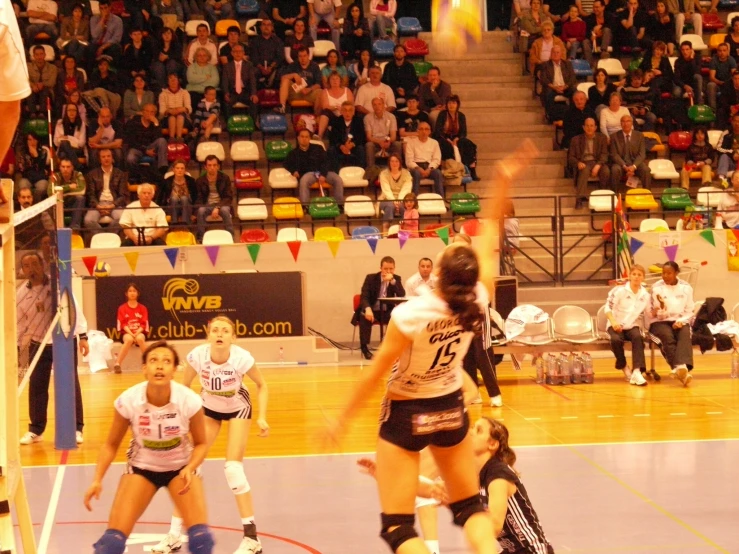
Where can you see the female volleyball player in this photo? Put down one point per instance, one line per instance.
(221, 367)
(161, 415)
(133, 323)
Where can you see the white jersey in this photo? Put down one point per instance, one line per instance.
(160, 439)
(222, 390)
(432, 365)
(13, 67)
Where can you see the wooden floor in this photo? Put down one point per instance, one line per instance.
(610, 410)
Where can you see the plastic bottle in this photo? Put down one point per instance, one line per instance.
(551, 369)
(565, 369)
(735, 364)
(281, 355)
(588, 374)
(576, 369)
(539, 363)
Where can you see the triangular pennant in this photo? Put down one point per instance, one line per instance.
(172, 255)
(671, 252)
(333, 245)
(132, 258)
(402, 238)
(253, 251)
(736, 233)
(90, 262)
(294, 246)
(213, 253)
(443, 233)
(372, 241)
(708, 235)
(636, 244)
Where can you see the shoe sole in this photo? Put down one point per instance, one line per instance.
(688, 379)
(682, 376)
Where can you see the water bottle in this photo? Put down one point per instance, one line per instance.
(576, 369)
(281, 355)
(551, 377)
(539, 364)
(735, 364)
(588, 375)
(565, 369)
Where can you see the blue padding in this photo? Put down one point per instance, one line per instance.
(112, 542)
(200, 539)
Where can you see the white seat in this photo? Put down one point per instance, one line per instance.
(613, 67)
(207, 148)
(735, 312)
(393, 230)
(709, 196)
(601, 323)
(49, 55)
(281, 178)
(105, 240)
(653, 224)
(244, 151)
(252, 209)
(680, 225)
(715, 136)
(217, 236)
(430, 203)
(382, 66)
(84, 74)
(251, 27)
(319, 143)
(573, 324)
(697, 306)
(291, 234)
(729, 17)
(191, 27)
(353, 177)
(585, 87)
(696, 41)
(322, 47)
(602, 201)
(536, 334)
(672, 60)
(663, 169)
(322, 65)
(359, 205)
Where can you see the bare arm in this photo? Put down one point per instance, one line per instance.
(106, 456)
(10, 113)
(262, 395)
(189, 375)
(499, 491)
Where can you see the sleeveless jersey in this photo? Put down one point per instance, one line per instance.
(522, 532)
(432, 365)
(159, 439)
(222, 390)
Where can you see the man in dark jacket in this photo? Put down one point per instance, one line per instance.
(575, 117)
(107, 194)
(557, 79)
(688, 78)
(400, 75)
(215, 195)
(267, 53)
(309, 164)
(588, 158)
(346, 138)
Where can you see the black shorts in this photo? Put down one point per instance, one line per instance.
(157, 478)
(416, 424)
(220, 416)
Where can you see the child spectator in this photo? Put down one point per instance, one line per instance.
(206, 114)
(410, 214)
(573, 32)
(699, 157)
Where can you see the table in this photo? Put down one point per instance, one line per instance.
(384, 302)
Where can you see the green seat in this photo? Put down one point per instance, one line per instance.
(635, 64)
(240, 125)
(465, 203)
(40, 127)
(676, 199)
(422, 68)
(323, 207)
(277, 150)
(701, 114)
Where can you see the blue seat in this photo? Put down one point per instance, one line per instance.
(272, 123)
(409, 26)
(728, 5)
(466, 178)
(383, 48)
(147, 160)
(582, 69)
(247, 8)
(366, 232)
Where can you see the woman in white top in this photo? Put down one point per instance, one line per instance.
(610, 117)
(162, 415)
(624, 309)
(669, 319)
(175, 108)
(396, 182)
(221, 367)
(330, 101)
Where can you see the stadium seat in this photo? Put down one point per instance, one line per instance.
(324, 207)
(464, 203)
(281, 179)
(582, 69)
(709, 196)
(701, 114)
(254, 235)
(635, 64)
(272, 124)
(353, 177)
(277, 151)
(49, 54)
(392, 232)
(248, 179)
(663, 169)
(471, 228)
(178, 151)
(659, 147)
(672, 60)
(222, 26)
(431, 203)
(731, 15)
(328, 234)
(105, 240)
(416, 48)
(714, 137)
(180, 238)
(288, 207)
(573, 324)
(422, 68)
(268, 98)
(291, 234)
(711, 22)
(252, 209)
(366, 232)
(252, 27)
(205, 149)
(696, 41)
(409, 26)
(612, 66)
(38, 126)
(715, 40)
(585, 87)
(191, 27)
(676, 199)
(244, 151)
(321, 48)
(359, 205)
(383, 48)
(323, 30)
(77, 242)
(247, 8)
(653, 224)
(240, 125)
(679, 141)
(217, 236)
(640, 200)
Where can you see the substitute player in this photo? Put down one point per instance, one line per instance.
(133, 323)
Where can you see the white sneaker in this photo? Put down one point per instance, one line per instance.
(168, 544)
(496, 401)
(683, 375)
(30, 438)
(477, 400)
(628, 373)
(79, 438)
(637, 378)
(249, 546)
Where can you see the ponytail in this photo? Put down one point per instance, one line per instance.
(458, 275)
(499, 432)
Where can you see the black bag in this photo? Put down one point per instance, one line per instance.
(712, 311)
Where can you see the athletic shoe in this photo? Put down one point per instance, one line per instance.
(682, 374)
(496, 401)
(688, 379)
(637, 379)
(167, 545)
(117, 368)
(654, 375)
(628, 373)
(30, 438)
(477, 400)
(79, 438)
(249, 546)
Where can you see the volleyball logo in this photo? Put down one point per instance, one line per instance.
(102, 269)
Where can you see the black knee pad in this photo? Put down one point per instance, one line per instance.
(403, 532)
(462, 510)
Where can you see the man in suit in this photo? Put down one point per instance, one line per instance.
(588, 157)
(239, 84)
(107, 194)
(384, 284)
(557, 79)
(628, 154)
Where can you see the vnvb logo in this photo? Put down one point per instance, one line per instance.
(190, 287)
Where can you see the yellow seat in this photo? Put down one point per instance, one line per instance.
(328, 234)
(223, 25)
(180, 238)
(77, 242)
(715, 40)
(640, 199)
(300, 104)
(288, 207)
(658, 148)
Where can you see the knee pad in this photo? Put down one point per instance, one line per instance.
(403, 532)
(112, 542)
(462, 510)
(236, 478)
(200, 539)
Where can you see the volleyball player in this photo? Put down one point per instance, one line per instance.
(221, 367)
(161, 414)
(133, 324)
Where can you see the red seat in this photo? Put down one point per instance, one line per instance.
(711, 22)
(471, 228)
(254, 235)
(680, 141)
(608, 229)
(430, 230)
(323, 30)
(268, 98)
(416, 47)
(178, 151)
(305, 121)
(248, 179)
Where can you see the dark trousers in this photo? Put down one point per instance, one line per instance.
(38, 390)
(676, 346)
(479, 358)
(244, 98)
(365, 327)
(632, 335)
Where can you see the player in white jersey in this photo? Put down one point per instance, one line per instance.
(160, 414)
(221, 366)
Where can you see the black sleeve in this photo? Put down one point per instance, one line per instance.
(366, 300)
(291, 163)
(397, 289)
(495, 469)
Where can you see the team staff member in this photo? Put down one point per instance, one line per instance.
(162, 415)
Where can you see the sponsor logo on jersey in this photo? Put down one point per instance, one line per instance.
(205, 374)
(170, 444)
(228, 382)
(447, 420)
(172, 430)
(227, 393)
(144, 431)
(170, 415)
(144, 420)
(226, 372)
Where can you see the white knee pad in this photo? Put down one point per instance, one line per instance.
(236, 478)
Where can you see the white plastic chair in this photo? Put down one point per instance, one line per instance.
(653, 224)
(663, 169)
(430, 203)
(735, 312)
(573, 324)
(244, 151)
(252, 209)
(281, 178)
(729, 17)
(672, 60)
(585, 87)
(709, 196)
(696, 41)
(536, 334)
(714, 137)
(251, 27)
(697, 306)
(291, 234)
(612, 66)
(205, 149)
(321, 48)
(105, 240)
(359, 205)
(170, 173)
(393, 230)
(602, 201)
(601, 323)
(217, 236)
(49, 55)
(191, 27)
(353, 177)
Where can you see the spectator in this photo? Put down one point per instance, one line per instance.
(632, 31)
(144, 222)
(384, 284)
(76, 98)
(334, 65)
(233, 38)
(42, 77)
(611, 117)
(73, 187)
(330, 101)
(451, 133)
(180, 192)
(557, 79)
(107, 194)
(659, 65)
(172, 13)
(423, 278)
(70, 136)
(68, 80)
(409, 118)
(600, 94)
(375, 88)
(361, 68)
(42, 16)
(31, 233)
(356, 36)
(575, 117)
(135, 99)
(75, 34)
(167, 57)
(345, 137)
(410, 215)
(31, 160)
(728, 101)
(400, 75)
(573, 33)
(638, 99)
(285, 13)
(175, 108)
(588, 158)
(203, 74)
(728, 151)
(299, 39)
(268, 53)
(599, 31)
(396, 183)
(434, 94)
(104, 87)
(688, 79)
(661, 27)
(215, 195)
(301, 81)
(382, 17)
(628, 157)
(144, 138)
(720, 70)
(218, 9)
(138, 56)
(239, 83)
(133, 324)
(542, 47)
(105, 133)
(732, 38)
(728, 205)
(423, 159)
(327, 11)
(532, 18)
(202, 40)
(106, 32)
(309, 164)
(206, 115)
(699, 157)
(381, 132)
(692, 12)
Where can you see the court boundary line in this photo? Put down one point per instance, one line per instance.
(56, 491)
